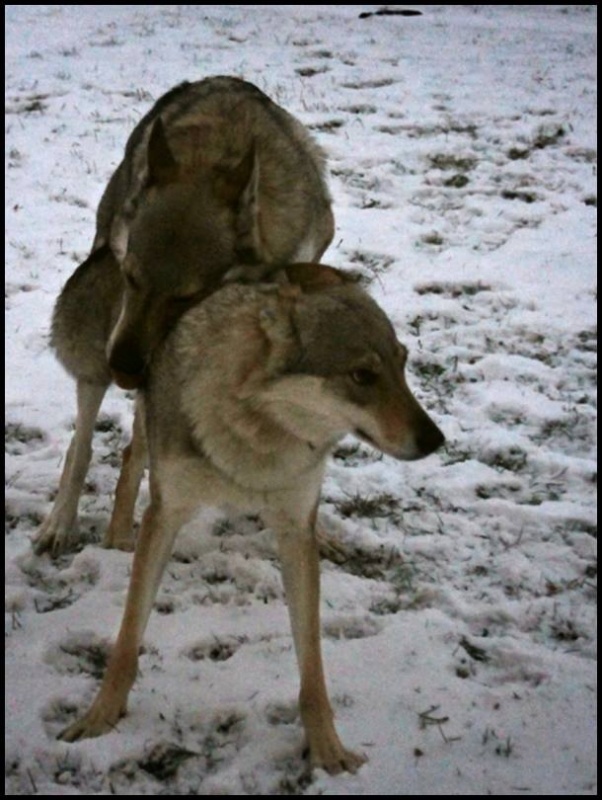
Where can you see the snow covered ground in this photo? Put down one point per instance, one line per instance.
(459, 618)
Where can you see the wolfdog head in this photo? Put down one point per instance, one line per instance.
(174, 241)
(312, 361)
(347, 362)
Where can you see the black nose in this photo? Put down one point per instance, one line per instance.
(430, 438)
(127, 365)
(126, 381)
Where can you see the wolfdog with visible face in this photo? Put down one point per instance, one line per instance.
(243, 403)
(216, 180)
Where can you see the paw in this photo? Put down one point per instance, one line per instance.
(330, 755)
(113, 540)
(99, 720)
(54, 537)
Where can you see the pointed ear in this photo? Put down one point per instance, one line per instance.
(237, 185)
(276, 320)
(162, 166)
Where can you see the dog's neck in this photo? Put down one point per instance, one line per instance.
(256, 453)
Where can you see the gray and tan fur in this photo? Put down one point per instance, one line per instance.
(216, 181)
(244, 402)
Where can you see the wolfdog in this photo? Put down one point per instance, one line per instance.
(243, 403)
(215, 179)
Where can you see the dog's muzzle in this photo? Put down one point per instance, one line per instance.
(127, 380)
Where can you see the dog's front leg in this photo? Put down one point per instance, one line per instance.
(120, 533)
(300, 570)
(155, 540)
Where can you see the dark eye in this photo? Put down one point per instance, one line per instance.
(131, 282)
(186, 299)
(364, 377)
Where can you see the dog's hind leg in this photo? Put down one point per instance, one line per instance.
(300, 571)
(153, 548)
(60, 525)
(120, 533)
